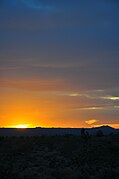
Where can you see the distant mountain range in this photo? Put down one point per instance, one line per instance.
(55, 131)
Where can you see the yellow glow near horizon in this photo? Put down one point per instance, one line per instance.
(22, 126)
(29, 109)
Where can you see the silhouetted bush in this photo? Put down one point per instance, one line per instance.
(99, 133)
(60, 157)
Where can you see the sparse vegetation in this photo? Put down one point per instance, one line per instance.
(60, 157)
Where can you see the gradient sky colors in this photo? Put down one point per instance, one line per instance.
(59, 63)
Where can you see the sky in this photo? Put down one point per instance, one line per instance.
(59, 63)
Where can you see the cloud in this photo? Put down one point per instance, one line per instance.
(93, 108)
(107, 94)
(113, 98)
(33, 85)
(92, 121)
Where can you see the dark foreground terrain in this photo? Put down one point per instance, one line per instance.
(60, 157)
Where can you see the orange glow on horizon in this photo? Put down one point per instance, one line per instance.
(22, 126)
(30, 109)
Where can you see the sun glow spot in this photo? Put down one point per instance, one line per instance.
(22, 126)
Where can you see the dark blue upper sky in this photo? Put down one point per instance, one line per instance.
(74, 43)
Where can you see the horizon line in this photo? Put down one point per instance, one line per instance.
(12, 127)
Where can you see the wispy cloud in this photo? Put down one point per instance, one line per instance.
(113, 98)
(93, 108)
(94, 94)
(33, 85)
(91, 121)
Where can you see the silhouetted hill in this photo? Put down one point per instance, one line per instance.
(54, 131)
(104, 129)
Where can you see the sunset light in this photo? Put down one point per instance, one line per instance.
(22, 126)
(59, 89)
(59, 65)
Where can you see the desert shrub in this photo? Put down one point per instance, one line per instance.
(59, 157)
(1, 137)
(108, 173)
(99, 133)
